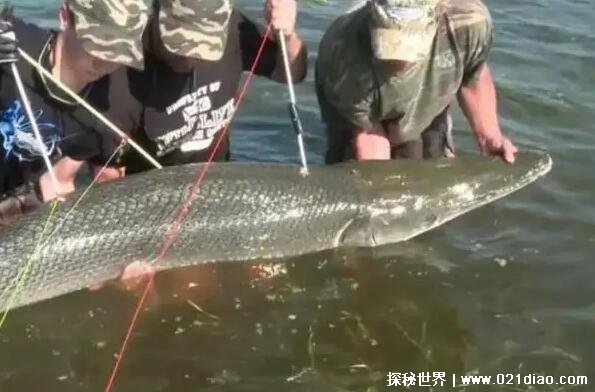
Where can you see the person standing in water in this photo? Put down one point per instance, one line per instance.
(91, 42)
(388, 71)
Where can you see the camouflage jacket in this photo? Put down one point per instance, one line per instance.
(356, 92)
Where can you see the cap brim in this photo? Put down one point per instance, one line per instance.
(184, 37)
(119, 48)
(409, 45)
(195, 28)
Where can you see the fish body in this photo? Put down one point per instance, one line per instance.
(244, 212)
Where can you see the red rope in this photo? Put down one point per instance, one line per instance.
(174, 230)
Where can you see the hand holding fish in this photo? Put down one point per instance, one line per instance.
(499, 146)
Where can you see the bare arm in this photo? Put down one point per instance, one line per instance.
(371, 144)
(66, 171)
(478, 102)
(298, 60)
(282, 15)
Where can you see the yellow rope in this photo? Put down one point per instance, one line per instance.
(21, 277)
(14, 287)
(91, 110)
(41, 242)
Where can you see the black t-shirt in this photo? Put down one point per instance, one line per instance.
(177, 117)
(72, 125)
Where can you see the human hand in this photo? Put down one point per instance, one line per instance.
(22, 201)
(8, 43)
(498, 146)
(132, 276)
(372, 144)
(282, 15)
(135, 274)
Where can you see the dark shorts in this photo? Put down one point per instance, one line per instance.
(436, 141)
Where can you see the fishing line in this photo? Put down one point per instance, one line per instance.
(173, 231)
(33, 121)
(21, 277)
(91, 110)
(84, 193)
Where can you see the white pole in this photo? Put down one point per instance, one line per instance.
(84, 104)
(33, 121)
(297, 124)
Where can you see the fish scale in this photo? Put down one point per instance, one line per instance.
(247, 212)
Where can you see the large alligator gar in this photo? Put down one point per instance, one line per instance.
(247, 211)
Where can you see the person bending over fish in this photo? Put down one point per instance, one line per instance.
(196, 53)
(178, 106)
(388, 71)
(90, 43)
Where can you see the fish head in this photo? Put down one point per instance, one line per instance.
(405, 198)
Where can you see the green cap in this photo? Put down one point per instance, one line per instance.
(112, 30)
(195, 28)
(403, 29)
